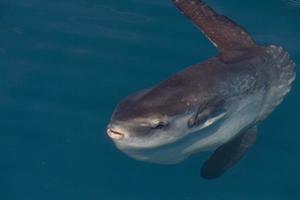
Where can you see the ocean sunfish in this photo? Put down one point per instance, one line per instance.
(215, 105)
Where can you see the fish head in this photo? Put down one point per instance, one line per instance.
(151, 120)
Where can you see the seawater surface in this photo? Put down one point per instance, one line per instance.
(65, 64)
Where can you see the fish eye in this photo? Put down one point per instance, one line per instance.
(160, 125)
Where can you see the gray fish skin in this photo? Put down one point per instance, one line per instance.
(208, 105)
(199, 84)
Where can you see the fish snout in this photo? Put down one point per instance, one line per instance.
(115, 135)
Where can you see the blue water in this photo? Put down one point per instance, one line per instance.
(64, 65)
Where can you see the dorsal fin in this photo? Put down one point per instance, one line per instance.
(225, 34)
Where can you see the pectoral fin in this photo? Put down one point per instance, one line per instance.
(208, 113)
(228, 154)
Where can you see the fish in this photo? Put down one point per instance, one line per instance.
(215, 105)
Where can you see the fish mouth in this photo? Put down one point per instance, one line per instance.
(115, 135)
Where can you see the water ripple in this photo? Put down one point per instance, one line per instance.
(293, 3)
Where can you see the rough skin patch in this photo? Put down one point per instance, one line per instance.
(282, 80)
